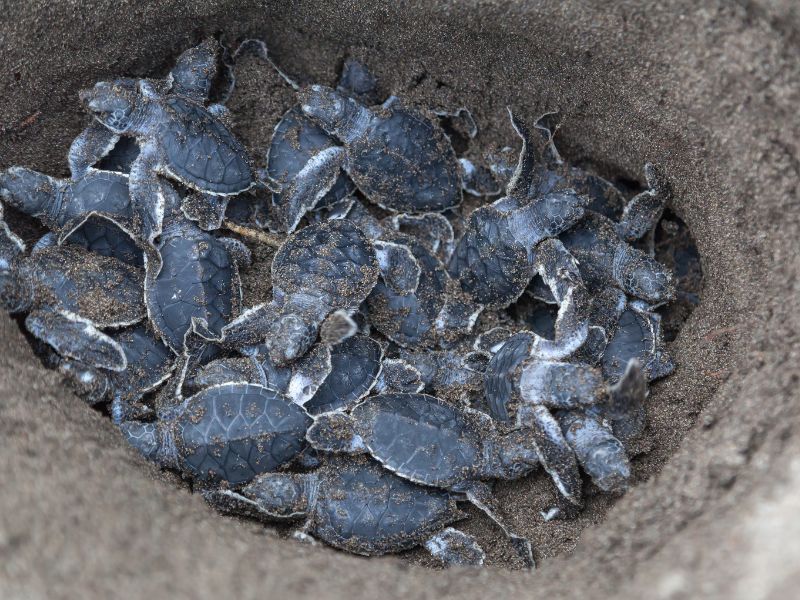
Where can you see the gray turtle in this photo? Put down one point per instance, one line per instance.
(496, 257)
(94, 211)
(322, 271)
(177, 137)
(430, 442)
(228, 433)
(399, 158)
(192, 274)
(70, 294)
(300, 148)
(354, 504)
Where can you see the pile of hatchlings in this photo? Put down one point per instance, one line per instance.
(411, 352)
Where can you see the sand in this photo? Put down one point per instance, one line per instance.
(709, 91)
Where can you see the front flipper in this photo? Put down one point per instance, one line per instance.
(454, 547)
(554, 452)
(207, 210)
(91, 145)
(302, 194)
(309, 373)
(90, 384)
(74, 337)
(399, 268)
(643, 211)
(626, 402)
(335, 432)
(480, 495)
(147, 196)
(194, 71)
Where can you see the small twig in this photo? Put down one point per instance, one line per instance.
(272, 240)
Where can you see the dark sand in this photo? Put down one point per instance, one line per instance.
(710, 92)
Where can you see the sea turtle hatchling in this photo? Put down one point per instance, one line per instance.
(94, 211)
(398, 157)
(177, 136)
(496, 257)
(192, 273)
(70, 294)
(226, 433)
(321, 272)
(354, 504)
(434, 443)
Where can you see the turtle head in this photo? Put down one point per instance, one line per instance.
(28, 191)
(283, 495)
(338, 114)
(289, 338)
(114, 103)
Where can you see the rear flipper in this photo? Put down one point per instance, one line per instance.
(90, 384)
(643, 211)
(454, 547)
(207, 210)
(480, 495)
(562, 385)
(75, 337)
(601, 455)
(91, 145)
(398, 376)
(195, 70)
(335, 432)
(626, 403)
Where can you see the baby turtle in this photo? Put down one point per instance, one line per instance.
(94, 211)
(398, 157)
(354, 504)
(70, 294)
(495, 259)
(192, 274)
(228, 433)
(177, 137)
(300, 148)
(322, 271)
(430, 442)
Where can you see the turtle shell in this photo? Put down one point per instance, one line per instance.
(296, 139)
(501, 372)
(197, 278)
(365, 509)
(638, 335)
(99, 288)
(355, 365)
(592, 242)
(201, 152)
(333, 258)
(100, 191)
(101, 236)
(491, 268)
(420, 438)
(410, 319)
(234, 432)
(404, 162)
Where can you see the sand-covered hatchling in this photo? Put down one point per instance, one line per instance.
(402, 352)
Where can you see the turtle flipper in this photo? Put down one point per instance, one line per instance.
(11, 245)
(335, 432)
(643, 211)
(194, 71)
(626, 404)
(454, 547)
(398, 376)
(77, 338)
(399, 268)
(308, 187)
(147, 197)
(554, 452)
(208, 210)
(641, 276)
(31, 192)
(480, 495)
(91, 145)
